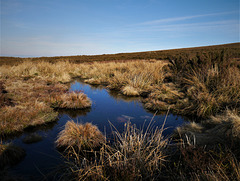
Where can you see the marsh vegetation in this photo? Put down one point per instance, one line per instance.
(202, 84)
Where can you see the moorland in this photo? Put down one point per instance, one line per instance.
(201, 84)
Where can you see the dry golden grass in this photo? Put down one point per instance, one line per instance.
(32, 89)
(80, 136)
(137, 154)
(59, 72)
(211, 91)
(163, 97)
(134, 155)
(71, 100)
(10, 154)
(17, 118)
(130, 91)
(225, 125)
(138, 74)
(153, 104)
(93, 81)
(223, 129)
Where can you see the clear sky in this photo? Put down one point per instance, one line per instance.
(87, 27)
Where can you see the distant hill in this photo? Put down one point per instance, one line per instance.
(231, 51)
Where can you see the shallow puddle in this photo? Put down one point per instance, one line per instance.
(107, 106)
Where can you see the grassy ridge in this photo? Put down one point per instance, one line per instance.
(232, 50)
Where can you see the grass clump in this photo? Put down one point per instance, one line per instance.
(30, 91)
(71, 100)
(80, 136)
(199, 163)
(117, 75)
(224, 129)
(17, 118)
(210, 89)
(10, 154)
(130, 91)
(133, 155)
(137, 154)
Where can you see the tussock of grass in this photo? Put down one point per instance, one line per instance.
(192, 126)
(71, 100)
(80, 136)
(93, 81)
(153, 104)
(17, 118)
(10, 154)
(163, 97)
(130, 91)
(226, 125)
(30, 89)
(139, 74)
(137, 153)
(211, 91)
(223, 129)
(134, 155)
(198, 163)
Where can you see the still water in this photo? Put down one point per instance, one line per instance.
(107, 106)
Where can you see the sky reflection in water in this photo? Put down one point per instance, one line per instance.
(107, 106)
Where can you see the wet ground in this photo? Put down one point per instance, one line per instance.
(107, 106)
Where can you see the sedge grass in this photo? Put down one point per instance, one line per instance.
(130, 91)
(71, 100)
(221, 129)
(80, 136)
(31, 90)
(134, 155)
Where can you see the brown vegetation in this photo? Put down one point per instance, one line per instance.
(186, 53)
(135, 155)
(10, 154)
(30, 92)
(201, 83)
(71, 100)
(224, 129)
(80, 136)
(146, 155)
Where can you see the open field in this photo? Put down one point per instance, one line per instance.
(202, 84)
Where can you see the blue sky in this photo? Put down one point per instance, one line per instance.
(88, 27)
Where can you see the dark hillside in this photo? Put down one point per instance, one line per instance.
(216, 52)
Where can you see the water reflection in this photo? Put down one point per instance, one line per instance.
(107, 106)
(74, 113)
(118, 109)
(118, 97)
